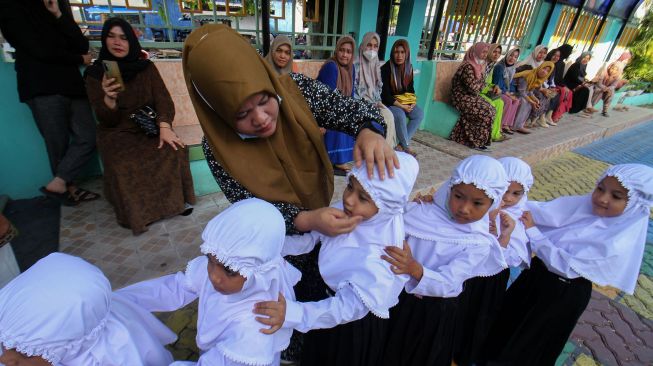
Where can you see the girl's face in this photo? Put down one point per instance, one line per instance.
(372, 45)
(258, 115)
(224, 280)
(357, 202)
(512, 58)
(609, 198)
(117, 43)
(585, 59)
(281, 56)
(612, 70)
(11, 357)
(496, 53)
(541, 55)
(543, 72)
(556, 57)
(399, 55)
(468, 203)
(513, 195)
(345, 53)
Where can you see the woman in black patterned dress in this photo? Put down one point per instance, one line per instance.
(474, 127)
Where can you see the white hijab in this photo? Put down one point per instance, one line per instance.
(518, 171)
(355, 258)
(434, 222)
(247, 238)
(62, 309)
(530, 59)
(604, 250)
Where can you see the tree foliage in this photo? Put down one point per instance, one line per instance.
(641, 66)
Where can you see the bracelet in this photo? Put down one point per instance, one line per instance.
(166, 127)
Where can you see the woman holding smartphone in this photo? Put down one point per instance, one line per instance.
(145, 178)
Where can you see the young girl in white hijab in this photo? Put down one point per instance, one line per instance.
(361, 286)
(61, 311)
(577, 240)
(448, 243)
(241, 265)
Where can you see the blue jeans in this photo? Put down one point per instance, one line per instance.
(406, 129)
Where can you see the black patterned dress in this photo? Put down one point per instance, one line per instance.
(332, 111)
(474, 127)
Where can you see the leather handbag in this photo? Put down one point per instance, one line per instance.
(145, 118)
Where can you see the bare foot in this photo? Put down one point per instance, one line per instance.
(56, 185)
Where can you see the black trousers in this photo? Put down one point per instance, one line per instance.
(68, 129)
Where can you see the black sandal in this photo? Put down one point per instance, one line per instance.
(83, 195)
(64, 198)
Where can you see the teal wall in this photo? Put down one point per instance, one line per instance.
(361, 17)
(439, 117)
(411, 19)
(536, 28)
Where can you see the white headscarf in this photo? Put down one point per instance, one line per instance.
(435, 222)
(355, 258)
(247, 238)
(530, 59)
(518, 171)
(604, 250)
(62, 309)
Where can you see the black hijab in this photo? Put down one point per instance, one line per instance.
(559, 71)
(129, 65)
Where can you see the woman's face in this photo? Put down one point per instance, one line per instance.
(612, 70)
(512, 58)
(556, 57)
(496, 53)
(541, 55)
(117, 43)
(585, 59)
(258, 115)
(399, 55)
(344, 54)
(484, 53)
(372, 45)
(11, 357)
(543, 72)
(281, 56)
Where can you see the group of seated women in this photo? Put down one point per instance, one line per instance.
(497, 98)
(357, 72)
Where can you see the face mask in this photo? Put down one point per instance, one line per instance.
(370, 55)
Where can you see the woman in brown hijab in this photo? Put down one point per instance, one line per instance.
(280, 55)
(262, 136)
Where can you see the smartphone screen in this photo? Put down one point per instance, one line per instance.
(112, 70)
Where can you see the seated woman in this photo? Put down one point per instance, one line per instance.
(280, 55)
(61, 311)
(530, 107)
(145, 178)
(502, 75)
(492, 93)
(368, 84)
(398, 94)
(564, 95)
(575, 81)
(474, 126)
(338, 73)
(605, 85)
(533, 60)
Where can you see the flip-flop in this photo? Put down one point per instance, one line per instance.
(83, 195)
(339, 172)
(63, 198)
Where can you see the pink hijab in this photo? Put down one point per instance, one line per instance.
(473, 57)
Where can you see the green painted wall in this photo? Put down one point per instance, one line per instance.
(411, 19)
(361, 17)
(439, 117)
(536, 28)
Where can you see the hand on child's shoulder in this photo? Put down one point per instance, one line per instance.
(402, 261)
(274, 314)
(419, 198)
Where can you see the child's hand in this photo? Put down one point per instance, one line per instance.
(419, 198)
(527, 219)
(493, 222)
(507, 227)
(402, 261)
(275, 314)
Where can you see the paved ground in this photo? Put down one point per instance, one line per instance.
(614, 330)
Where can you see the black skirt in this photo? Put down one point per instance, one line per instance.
(358, 343)
(539, 313)
(579, 100)
(421, 331)
(480, 304)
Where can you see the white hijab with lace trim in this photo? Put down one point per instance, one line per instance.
(62, 309)
(247, 238)
(434, 222)
(518, 171)
(355, 258)
(604, 250)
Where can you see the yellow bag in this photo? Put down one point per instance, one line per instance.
(406, 98)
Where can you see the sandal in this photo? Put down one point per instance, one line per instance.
(83, 195)
(341, 169)
(508, 131)
(64, 198)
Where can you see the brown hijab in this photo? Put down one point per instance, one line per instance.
(345, 81)
(221, 70)
(279, 41)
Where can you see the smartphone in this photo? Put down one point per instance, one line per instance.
(112, 70)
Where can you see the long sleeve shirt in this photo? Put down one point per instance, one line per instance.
(555, 258)
(387, 95)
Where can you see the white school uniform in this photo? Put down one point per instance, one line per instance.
(573, 242)
(247, 238)
(450, 252)
(62, 309)
(351, 264)
(518, 252)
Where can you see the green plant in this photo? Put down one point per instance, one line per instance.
(161, 10)
(640, 67)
